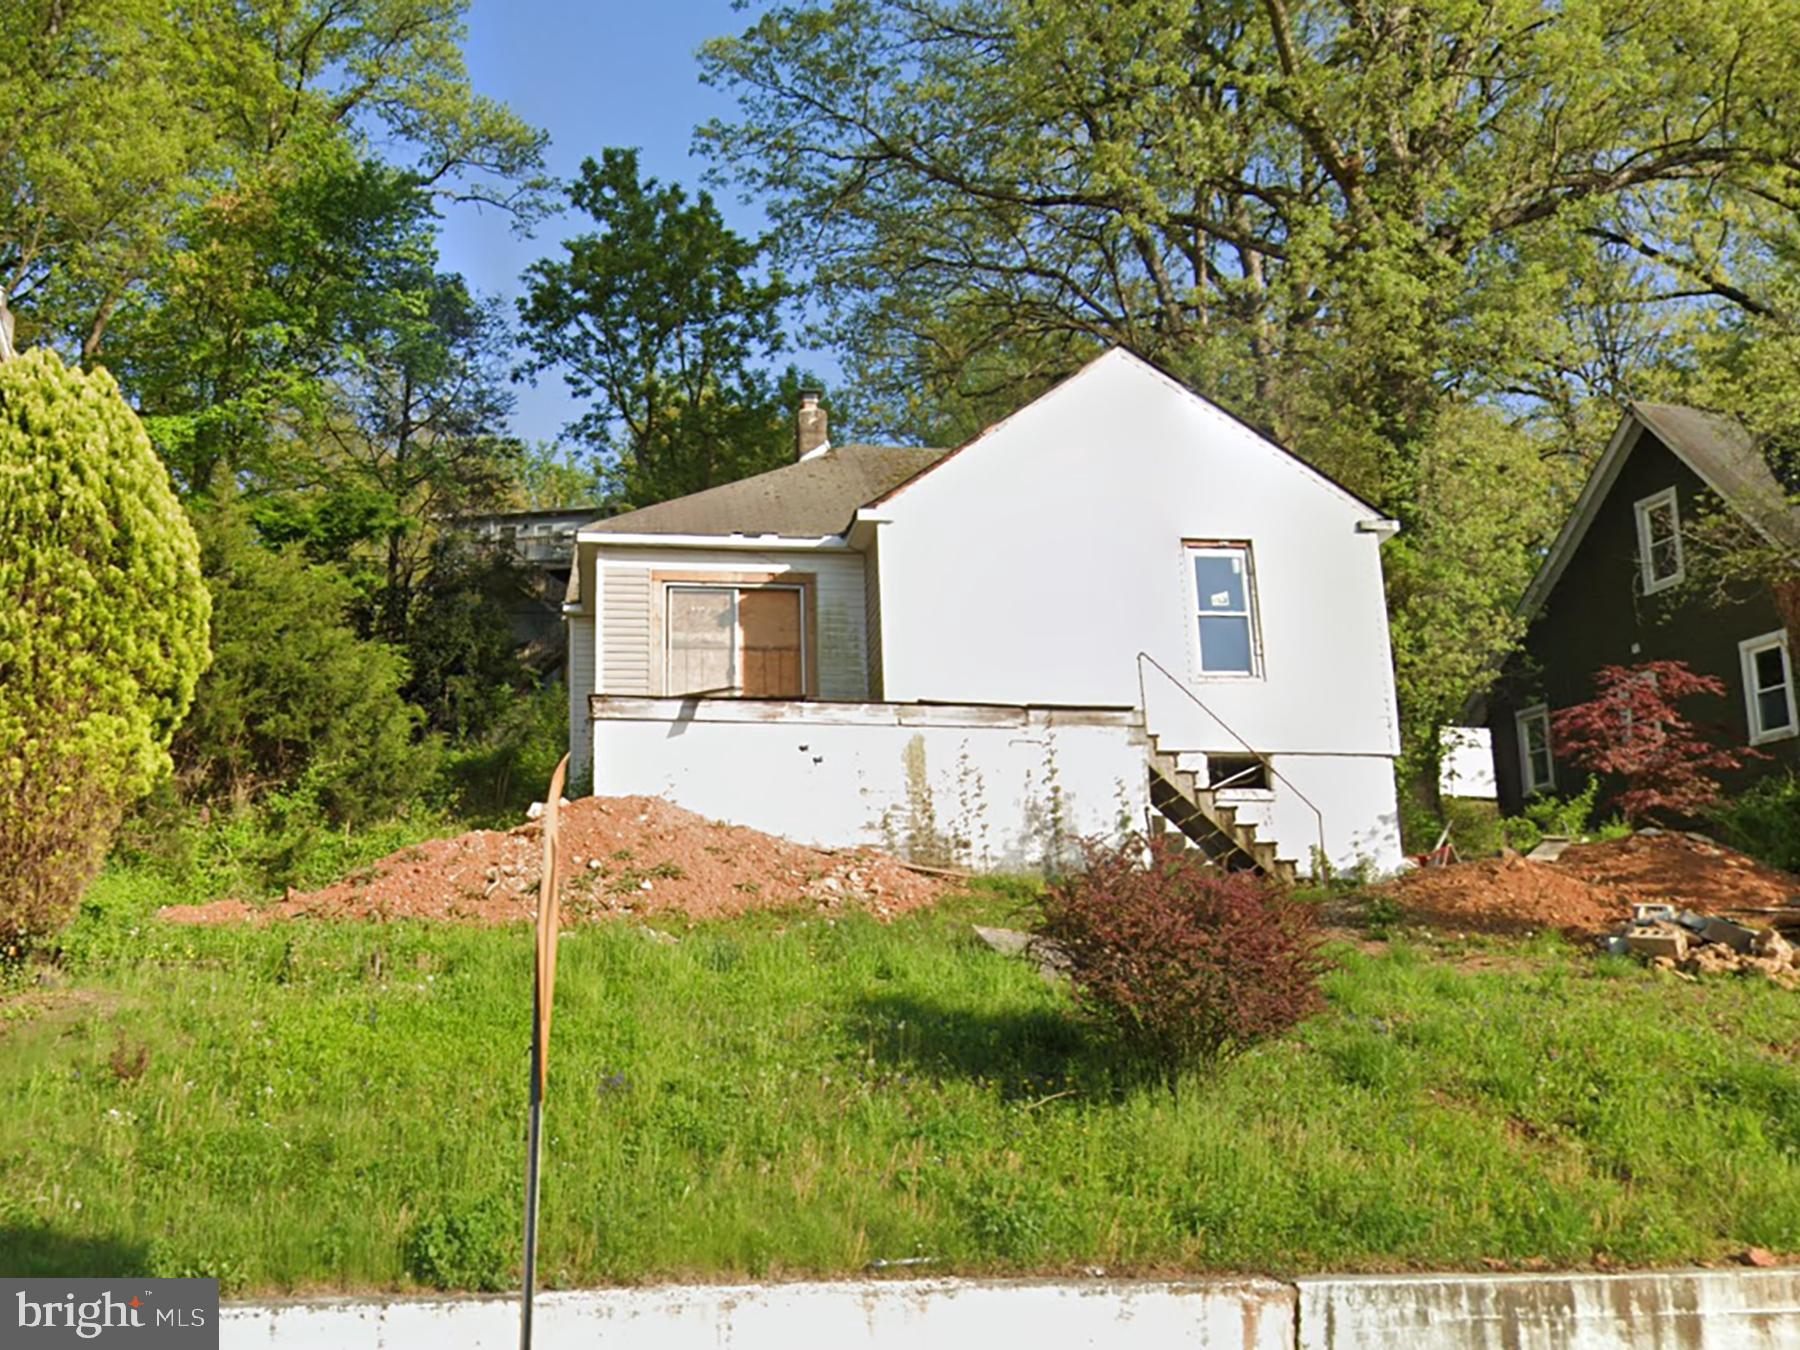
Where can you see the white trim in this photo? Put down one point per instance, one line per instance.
(608, 538)
(1239, 548)
(1640, 510)
(1747, 652)
(1526, 779)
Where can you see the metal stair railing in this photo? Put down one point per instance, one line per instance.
(1144, 658)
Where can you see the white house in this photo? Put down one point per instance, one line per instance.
(1118, 608)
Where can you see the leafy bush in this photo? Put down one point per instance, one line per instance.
(1182, 960)
(1566, 816)
(284, 838)
(102, 631)
(472, 1246)
(499, 776)
(1764, 822)
(295, 699)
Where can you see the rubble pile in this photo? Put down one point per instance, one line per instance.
(1674, 939)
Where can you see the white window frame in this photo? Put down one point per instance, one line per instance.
(1748, 650)
(1646, 557)
(737, 590)
(1537, 712)
(1192, 549)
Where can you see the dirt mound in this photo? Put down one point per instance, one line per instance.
(1681, 870)
(1590, 889)
(619, 855)
(1508, 895)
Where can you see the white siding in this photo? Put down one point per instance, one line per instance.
(1069, 521)
(872, 613)
(581, 684)
(629, 664)
(625, 628)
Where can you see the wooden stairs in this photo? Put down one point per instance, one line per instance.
(1211, 827)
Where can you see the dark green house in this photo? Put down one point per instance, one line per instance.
(1618, 588)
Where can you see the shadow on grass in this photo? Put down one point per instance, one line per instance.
(37, 1250)
(1030, 1054)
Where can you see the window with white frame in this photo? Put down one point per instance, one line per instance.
(1225, 599)
(1537, 766)
(742, 640)
(1659, 541)
(1768, 687)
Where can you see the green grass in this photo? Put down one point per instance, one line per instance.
(342, 1107)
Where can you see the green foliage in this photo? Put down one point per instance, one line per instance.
(473, 1246)
(258, 849)
(1352, 230)
(497, 777)
(103, 634)
(1565, 816)
(294, 698)
(658, 319)
(1764, 821)
(800, 1092)
(162, 112)
(466, 662)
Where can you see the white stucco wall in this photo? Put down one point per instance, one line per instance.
(1035, 563)
(977, 787)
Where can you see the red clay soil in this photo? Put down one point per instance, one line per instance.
(1680, 869)
(1507, 895)
(1590, 889)
(619, 855)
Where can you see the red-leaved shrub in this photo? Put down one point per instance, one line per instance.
(1183, 960)
(1633, 730)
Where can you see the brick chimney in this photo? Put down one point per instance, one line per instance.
(810, 430)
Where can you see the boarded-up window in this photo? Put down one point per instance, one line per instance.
(729, 640)
(769, 636)
(702, 641)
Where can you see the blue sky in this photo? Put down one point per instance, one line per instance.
(592, 73)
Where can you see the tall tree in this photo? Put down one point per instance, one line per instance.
(120, 118)
(1346, 220)
(661, 320)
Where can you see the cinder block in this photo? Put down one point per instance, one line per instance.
(1733, 935)
(1652, 942)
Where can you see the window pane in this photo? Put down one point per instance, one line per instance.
(1772, 709)
(1664, 562)
(1219, 582)
(1225, 644)
(770, 623)
(702, 632)
(1771, 670)
(1662, 521)
(1540, 766)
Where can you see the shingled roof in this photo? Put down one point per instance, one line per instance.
(809, 499)
(1722, 452)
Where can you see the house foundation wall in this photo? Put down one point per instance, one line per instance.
(982, 787)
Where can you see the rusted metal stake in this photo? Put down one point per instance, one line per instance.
(543, 997)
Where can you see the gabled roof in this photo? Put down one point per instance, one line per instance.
(809, 499)
(1117, 355)
(1719, 451)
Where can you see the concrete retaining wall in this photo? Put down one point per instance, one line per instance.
(945, 785)
(1668, 1310)
(874, 1315)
